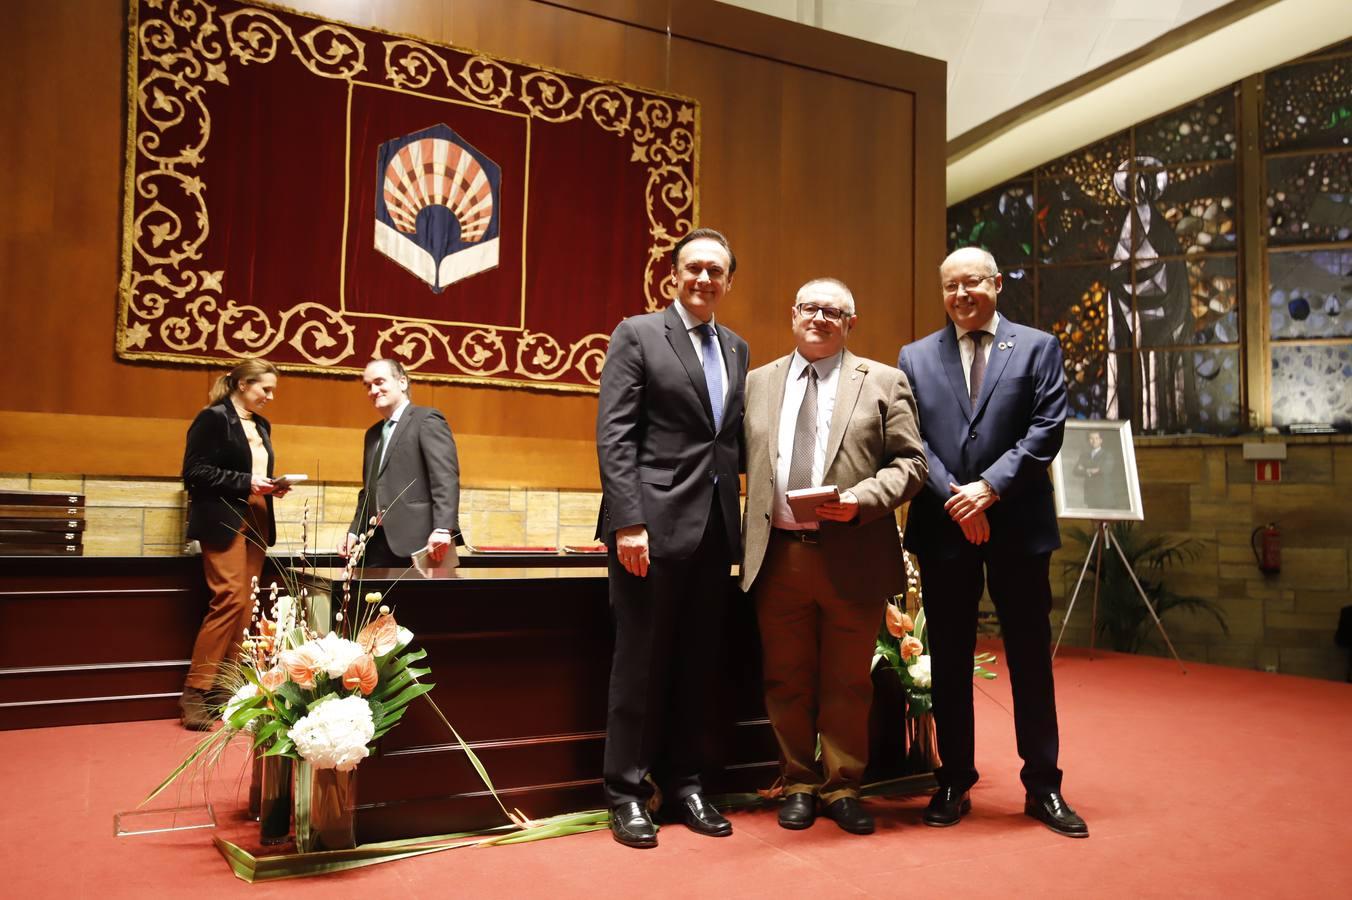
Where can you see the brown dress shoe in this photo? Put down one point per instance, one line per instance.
(193, 710)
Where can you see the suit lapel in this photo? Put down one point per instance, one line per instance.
(995, 363)
(399, 428)
(779, 378)
(951, 359)
(850, 381)
(679, 339)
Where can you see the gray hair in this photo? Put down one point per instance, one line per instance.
(835, 284)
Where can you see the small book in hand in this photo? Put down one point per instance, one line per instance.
(804, 501)
(285, 482)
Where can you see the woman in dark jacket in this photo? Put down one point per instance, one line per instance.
(227, 470)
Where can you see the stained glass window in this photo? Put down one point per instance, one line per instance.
(1135, 257)
(1308, 105)
(1205, 130)
(1310, 294)
(1000, 220)
(1309, 198)
(1310, 384)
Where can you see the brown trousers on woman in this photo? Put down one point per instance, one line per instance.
(228, 570)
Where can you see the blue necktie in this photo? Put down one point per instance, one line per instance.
(713, 374)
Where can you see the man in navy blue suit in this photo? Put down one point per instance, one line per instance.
(992, 401)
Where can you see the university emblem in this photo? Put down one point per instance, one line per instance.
(437, 203)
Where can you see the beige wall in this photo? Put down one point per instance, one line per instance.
(145, 516)
(1205, 490)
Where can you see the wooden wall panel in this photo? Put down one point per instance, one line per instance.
(819, 154)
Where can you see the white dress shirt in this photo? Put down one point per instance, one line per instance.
(966, 348)
(394, 423)
(697, 339)
(828, 377)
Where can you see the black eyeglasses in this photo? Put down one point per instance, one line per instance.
(829, 313)
(967, 284)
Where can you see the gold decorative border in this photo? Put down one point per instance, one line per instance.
(205, 318)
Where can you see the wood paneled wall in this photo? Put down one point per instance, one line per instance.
(820, 155)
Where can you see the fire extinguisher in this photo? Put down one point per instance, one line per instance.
(1267, 550)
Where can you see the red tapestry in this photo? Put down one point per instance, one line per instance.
(319, 194)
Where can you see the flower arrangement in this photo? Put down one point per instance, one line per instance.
(903, 643)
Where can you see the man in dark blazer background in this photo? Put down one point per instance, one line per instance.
(992, 402)
(410, 477)
(668, 437)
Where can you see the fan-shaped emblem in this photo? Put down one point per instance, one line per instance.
(437, 201)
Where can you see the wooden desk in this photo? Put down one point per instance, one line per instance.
(521, 661)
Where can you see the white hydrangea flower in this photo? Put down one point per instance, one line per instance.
(335, 734)
(246, 692)
(336, 654)
(920, 671)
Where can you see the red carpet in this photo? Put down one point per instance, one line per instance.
(1218, 782)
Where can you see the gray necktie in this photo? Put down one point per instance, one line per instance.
(978, 374)
(804, 435)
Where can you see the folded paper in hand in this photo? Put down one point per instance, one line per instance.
(282, 482)
(804, 501)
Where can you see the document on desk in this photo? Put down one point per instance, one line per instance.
(804, 501)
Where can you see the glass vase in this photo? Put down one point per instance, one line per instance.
(325, 802)
(922, 751)
(255, 782)
(274, 799)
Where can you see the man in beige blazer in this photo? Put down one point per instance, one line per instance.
(822, 416)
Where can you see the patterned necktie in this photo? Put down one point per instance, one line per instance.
(713, 374)
(804, 435)
(978, 366)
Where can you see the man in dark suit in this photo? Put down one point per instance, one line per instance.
(411, 477)
(668, 437)
(1100, 469)
(992, 403)
(823, 416)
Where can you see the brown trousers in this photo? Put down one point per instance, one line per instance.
(818, 656)
(228, 571)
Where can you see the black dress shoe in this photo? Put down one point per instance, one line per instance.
(1053, 811)
(701, 817)
(799, 811)
(947, 806)
(632, 826)
(849, 815)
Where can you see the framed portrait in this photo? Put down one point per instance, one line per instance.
(1095, 472)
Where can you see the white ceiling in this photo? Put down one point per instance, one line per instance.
(999, 52)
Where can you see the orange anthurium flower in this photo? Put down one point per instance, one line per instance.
(380, 635)
(898, 623)
(362, 673)
(274, 678)
(911, 646)
(303, 664)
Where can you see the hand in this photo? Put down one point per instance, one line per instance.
(261, 486)
(347, 545)
(280, 492)
(969, 500)
(842, 510)
(976, 528)
(631, 546)
(438, 542)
